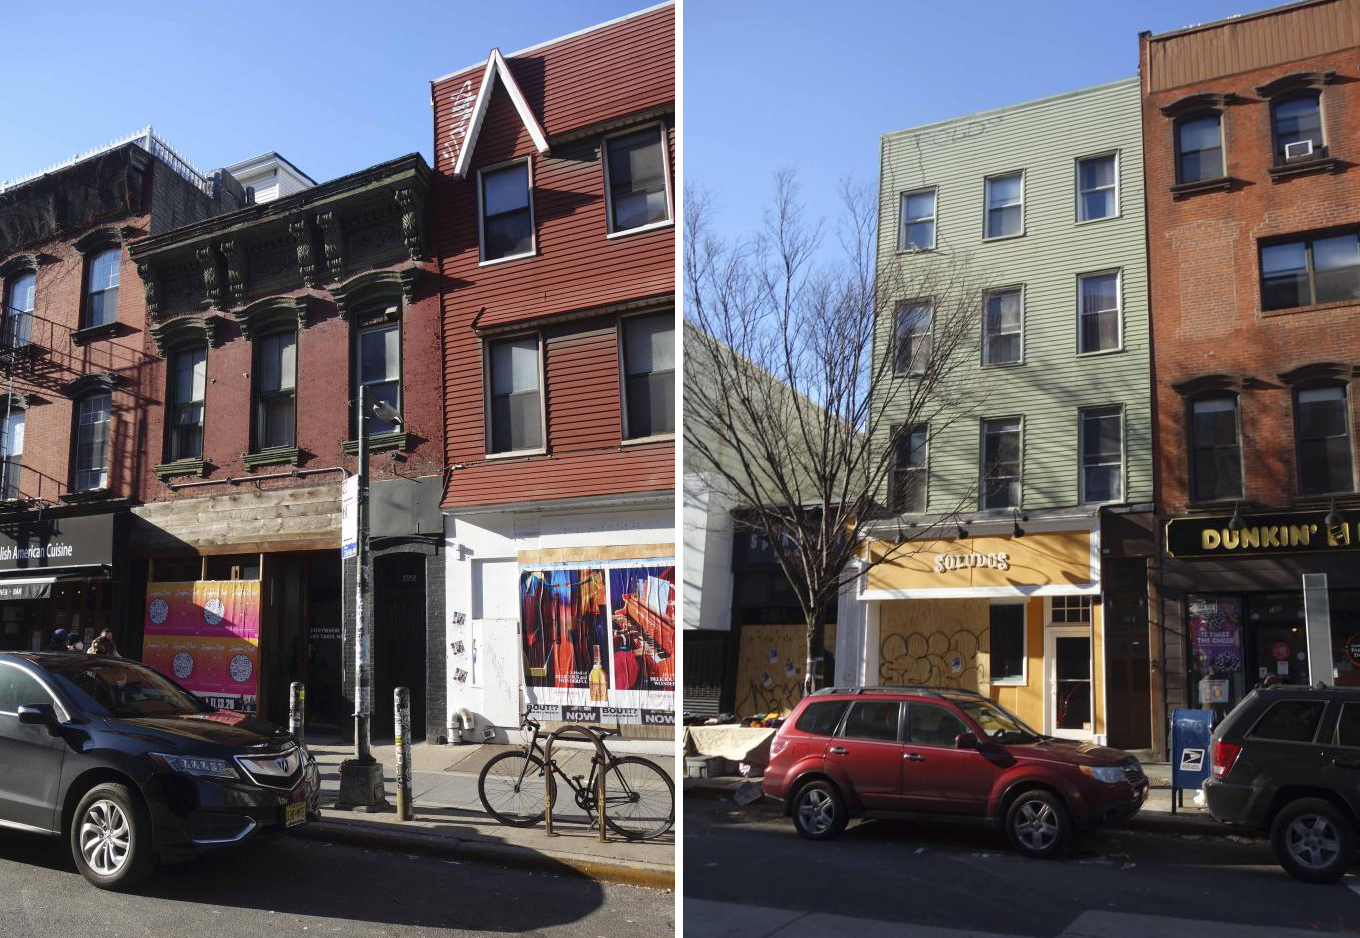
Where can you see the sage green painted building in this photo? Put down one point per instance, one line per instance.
(1046, 200)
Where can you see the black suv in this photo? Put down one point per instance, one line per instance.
(1287, 760)
(130, 767)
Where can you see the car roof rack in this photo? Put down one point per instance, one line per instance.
(918, 689)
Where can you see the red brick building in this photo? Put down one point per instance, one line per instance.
(1253, 196)
(554, 206)
(74, 359)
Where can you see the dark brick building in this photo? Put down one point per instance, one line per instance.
(1250, 130)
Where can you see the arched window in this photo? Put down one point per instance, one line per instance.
(1215, 448)
(377, 370)
(20, 291)
(1322, 427)
(1296, 121)
(92, 442)
(1199, 147)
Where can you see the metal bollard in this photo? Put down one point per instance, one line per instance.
(401, 699)
(297, 709)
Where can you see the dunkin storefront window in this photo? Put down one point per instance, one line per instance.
(1215, 625)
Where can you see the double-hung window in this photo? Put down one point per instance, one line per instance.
(507, 216)
(1002, 322)
(1097, 196)
(1324, 440)
(12, 447)
(377, 370)
(188, 384)
(649, 375)
(1098, 312)
(1005, 197)
(516, 405)
(637, 179)
(916, 224)
(1215, 449)
(1308, 271)
(18, 317)
(1102, 455)
(1297, 125)
(1001, 463)
(908, 491)
(92, 443)
(1199, 148)
(912, 337)
(101, 288)
(276, 391)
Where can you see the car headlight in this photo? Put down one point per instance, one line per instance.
(1104, 773)
(199, 766)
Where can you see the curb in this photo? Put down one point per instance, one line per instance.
(648, 875)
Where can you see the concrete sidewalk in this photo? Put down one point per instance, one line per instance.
(450, 822)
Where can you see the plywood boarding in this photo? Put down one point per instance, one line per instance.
(1246, 43)
(770, 667)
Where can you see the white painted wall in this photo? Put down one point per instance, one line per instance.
(707, 575)
(482, 582)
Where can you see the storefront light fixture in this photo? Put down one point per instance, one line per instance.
(962, 531)
(1016, 530)
(1235, 523)
(1334, 518)
(385, 411)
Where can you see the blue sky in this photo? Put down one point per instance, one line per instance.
(334, 86)
(812, 85)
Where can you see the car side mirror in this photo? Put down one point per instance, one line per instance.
(39, 715)
(966, 741)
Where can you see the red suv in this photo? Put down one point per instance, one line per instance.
(849, 752)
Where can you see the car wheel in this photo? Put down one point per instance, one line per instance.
(111, 837)
(819, 811)
(1038, 825)
(1313, 840)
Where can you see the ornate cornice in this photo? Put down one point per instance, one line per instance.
(97, 239)
(275, 311)
(375, 286)
(187, 330)
(234, 251)
(1299, 81)
(333, 238)
(208, 260)
(151, 286)
(85, 385)
(304, 239)
(412, 220)
(1209, 101)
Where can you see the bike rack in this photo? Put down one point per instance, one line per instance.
(601, 753)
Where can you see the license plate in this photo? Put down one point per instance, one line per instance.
(295, 814)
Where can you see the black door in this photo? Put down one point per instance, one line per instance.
(30, 757)
(398, 639)
(326, 665)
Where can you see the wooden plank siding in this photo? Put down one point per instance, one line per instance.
(1052, 382)
(579, 88)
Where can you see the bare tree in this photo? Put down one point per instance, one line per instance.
(803, 378)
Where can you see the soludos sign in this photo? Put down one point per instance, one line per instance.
(968, 561)
(1284, 533)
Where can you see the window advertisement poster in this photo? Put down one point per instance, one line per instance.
(598, 641)
(1216, 634)
(206, 635)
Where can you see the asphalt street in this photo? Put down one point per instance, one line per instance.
(752, 870)
(302, 887)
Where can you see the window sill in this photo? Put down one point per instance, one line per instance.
(654, 226)
(396, 439)
(89, 495)
(1327, 164)
(1014, 364)
(989, 240)
(516, 454)
(1009, 682)
(180, 467)
(1098, 352)
(508, 259)
(105, 331)
(1183, 190)
(1096, 221)
(273, 456)
(654, 438)
(912, 252)
(1315, 308)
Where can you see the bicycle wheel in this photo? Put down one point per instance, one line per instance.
(512, 792)
(639, 798)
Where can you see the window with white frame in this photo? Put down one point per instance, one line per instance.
(908, 489)
(1102, 455)
(1006, 650)
(1096, 188)
(12, 448)
(635, 167)
(1002, 322)
(1005, 197)
(101, 287)
(1070, 610)
(276, 391)
(377, 369)
(1098, 313)
(916, 224)
(649, 374)
(92, 443)
(18, 313)
(507, 215)
(188, 385)
(515, 404)
(1001, 463)
(912, 338)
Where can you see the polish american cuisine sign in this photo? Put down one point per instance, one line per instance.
(1278, 533)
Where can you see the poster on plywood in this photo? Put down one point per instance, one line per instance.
(598, 641)
(206, 635)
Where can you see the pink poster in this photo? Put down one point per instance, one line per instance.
(205, 635)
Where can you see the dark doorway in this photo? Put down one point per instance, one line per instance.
(326, 710)
(398, 639)
(1127, 670)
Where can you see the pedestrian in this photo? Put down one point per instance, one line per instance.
(107, 636)
(57, 642)
(100, 646)
(74, 643)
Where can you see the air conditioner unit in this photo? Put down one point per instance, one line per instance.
(1298, 150)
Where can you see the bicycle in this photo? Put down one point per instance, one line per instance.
(639, 796)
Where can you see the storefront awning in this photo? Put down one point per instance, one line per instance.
(38, 587)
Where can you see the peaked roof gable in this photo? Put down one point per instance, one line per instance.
(496, 66)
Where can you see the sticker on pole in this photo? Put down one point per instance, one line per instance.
(349, 517)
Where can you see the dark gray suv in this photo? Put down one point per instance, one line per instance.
(1286, 761)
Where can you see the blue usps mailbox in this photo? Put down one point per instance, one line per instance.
(1189, 751)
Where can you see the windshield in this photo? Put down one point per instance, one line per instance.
(118, 688)
(996, 724)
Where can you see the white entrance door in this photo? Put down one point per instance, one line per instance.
(1069, 707)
